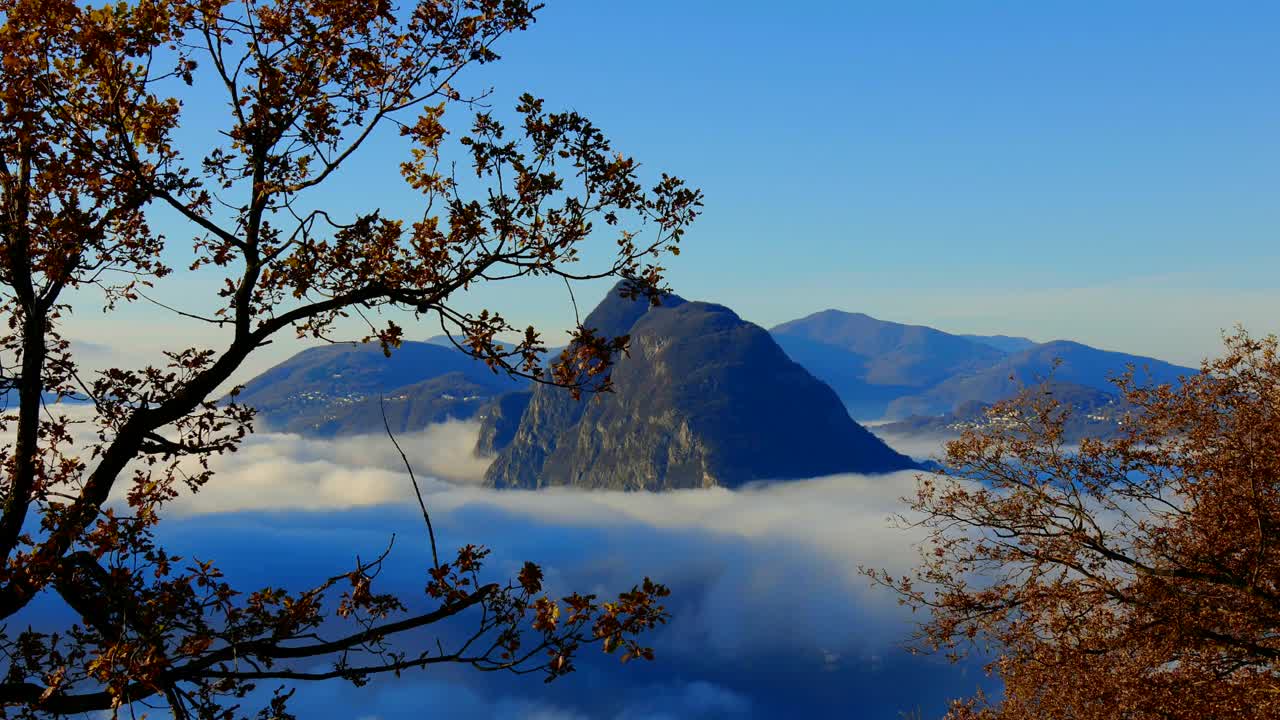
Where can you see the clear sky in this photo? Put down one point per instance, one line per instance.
(1105, 172)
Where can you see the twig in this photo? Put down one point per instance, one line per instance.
(435, 559)
(576, 320)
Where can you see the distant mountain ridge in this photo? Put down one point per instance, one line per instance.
(893, 353)
(1005, 343)
(705, 398)
(871, 362)
(890, 370)
(1060, 360)
(335, 389)
(1093, 413)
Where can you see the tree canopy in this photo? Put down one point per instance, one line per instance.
(1137, 577)
(91, 99)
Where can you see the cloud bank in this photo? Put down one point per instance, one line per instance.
(281, 471)
(918, 447)
(770, 615)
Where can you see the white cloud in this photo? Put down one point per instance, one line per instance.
(766, 597)
(836, 514)
(920, 447)
(750, 556)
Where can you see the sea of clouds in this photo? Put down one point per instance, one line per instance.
(770, 615)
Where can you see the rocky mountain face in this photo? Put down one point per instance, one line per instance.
(335, 389)
(703, 399)
(546, 412)
(888, 370)
(500, 419)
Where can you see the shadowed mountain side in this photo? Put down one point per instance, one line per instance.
(499, 421)
(703, 399)
(1080, 365)
(845, 373)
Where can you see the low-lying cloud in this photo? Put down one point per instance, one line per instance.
(919, 447)
(283, 471)
(770, 614)
(843, 518)
(768, 604)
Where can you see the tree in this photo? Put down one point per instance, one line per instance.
(91, 102)
(1137, 577)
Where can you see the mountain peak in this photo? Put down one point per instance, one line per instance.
(703, 398)
(870, 362)
(615, 314)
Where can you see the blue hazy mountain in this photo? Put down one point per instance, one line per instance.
(1091, 413)
(871, 363)
(1061, 361)
(1004, 343)
(703, 398)
(886, 369)
(335, 389)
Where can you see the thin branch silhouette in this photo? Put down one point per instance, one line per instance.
(431, 533)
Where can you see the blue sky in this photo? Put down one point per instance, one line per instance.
(947, 163)
(1104, 172)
